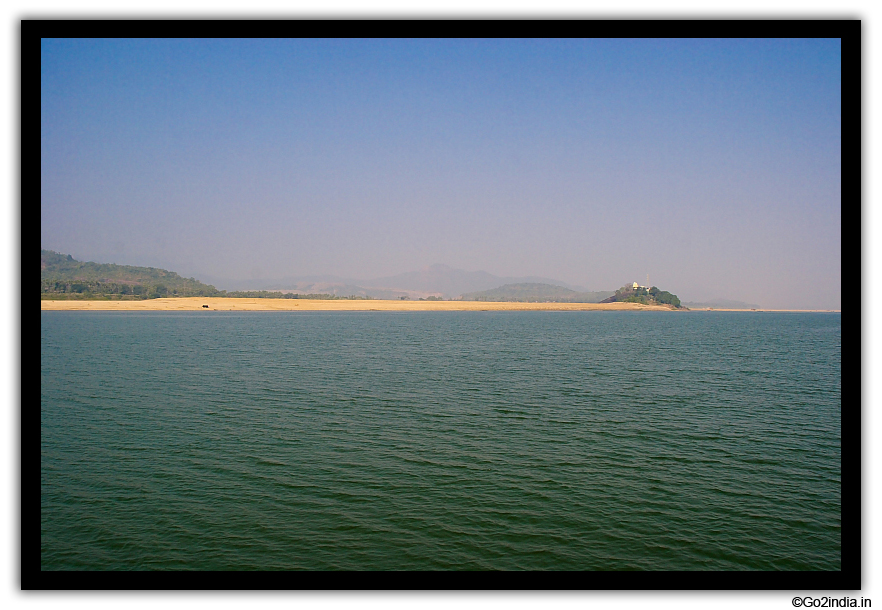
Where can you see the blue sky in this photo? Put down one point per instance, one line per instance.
(712, 165)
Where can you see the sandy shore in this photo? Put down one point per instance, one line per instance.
(229, 304)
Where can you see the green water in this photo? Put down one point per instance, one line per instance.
(440, 441)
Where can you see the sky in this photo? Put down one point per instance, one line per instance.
(712, 166)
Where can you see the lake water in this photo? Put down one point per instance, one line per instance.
(440, 440)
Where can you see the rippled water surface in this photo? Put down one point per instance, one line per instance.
(440, 440)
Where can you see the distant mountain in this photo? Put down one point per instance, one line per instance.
(721, 304)
(536, 292)
(64, 277)
(315, 284)
(278, 283)
(337, 288)
(434, 280)
(450, 282)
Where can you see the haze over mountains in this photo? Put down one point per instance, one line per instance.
(434, 280)
(720, 304)
(61, 273)
(532, 292)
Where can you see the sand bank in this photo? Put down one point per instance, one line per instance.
(230, 304)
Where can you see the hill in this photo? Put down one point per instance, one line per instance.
(642, 294)
(63, 277)
(531, 292)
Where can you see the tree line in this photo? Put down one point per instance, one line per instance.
(124, 291)
(64, 277)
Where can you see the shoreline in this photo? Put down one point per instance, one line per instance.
(761, 310)
(239, 304)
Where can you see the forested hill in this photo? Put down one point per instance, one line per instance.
(642, 294)
(531, 293)
(62, 277)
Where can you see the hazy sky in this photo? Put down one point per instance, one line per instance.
(712, 165)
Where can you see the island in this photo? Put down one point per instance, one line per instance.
(645, 295)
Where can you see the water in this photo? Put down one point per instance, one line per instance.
(440, 440)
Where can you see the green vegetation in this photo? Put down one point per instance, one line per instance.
(642, 294)
(535, 293)
(63, 277)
